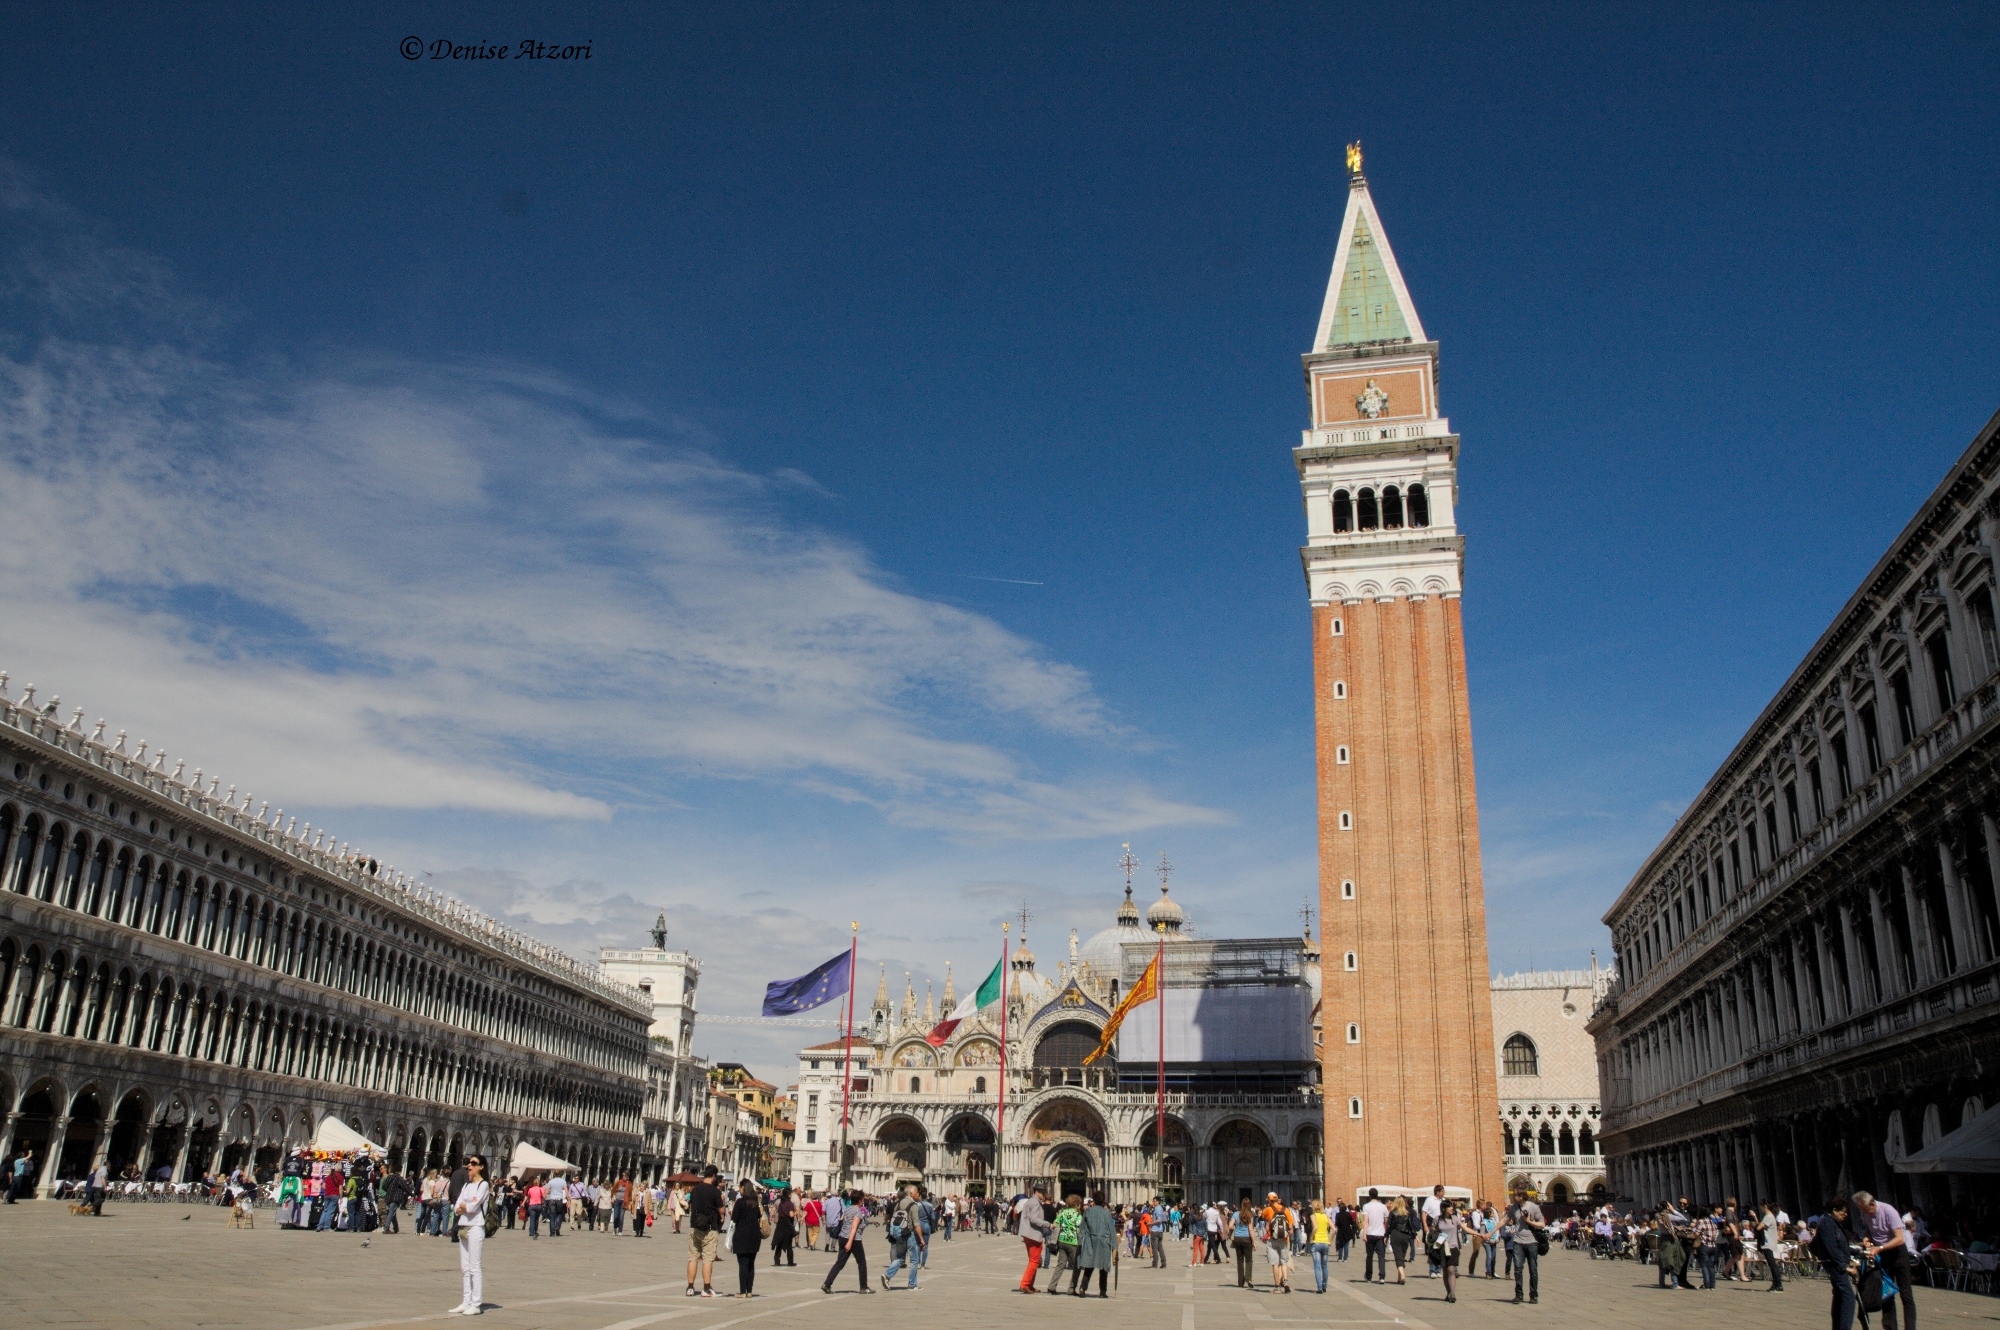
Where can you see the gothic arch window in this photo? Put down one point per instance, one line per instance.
(1343, 511)
(1586, 1144)
(1371, 516)
(1392, 508)
(1547, 1140)
(1517, 1056)
(1420, 506)
(1507, 1138)
(1565, 1142)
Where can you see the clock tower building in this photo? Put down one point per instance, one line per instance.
(1409, 1080)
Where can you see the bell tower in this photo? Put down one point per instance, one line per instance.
(1409, 1080)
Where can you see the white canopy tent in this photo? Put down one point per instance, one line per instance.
(1973, 1148)
(527, 1159)
(333, 1134)
(1389, 1193)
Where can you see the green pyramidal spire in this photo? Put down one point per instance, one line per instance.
(1366, 300)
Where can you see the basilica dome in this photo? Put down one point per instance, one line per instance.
(1102, 952)
(1032, 990)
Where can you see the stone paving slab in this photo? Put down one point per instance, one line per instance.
(169, 1265)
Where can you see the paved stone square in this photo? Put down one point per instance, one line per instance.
(179, 1266)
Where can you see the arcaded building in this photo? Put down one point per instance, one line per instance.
(188, 982)
(1408, 1053)
(1807, 963)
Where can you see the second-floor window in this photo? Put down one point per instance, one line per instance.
(1906, 717)
(1938, 648)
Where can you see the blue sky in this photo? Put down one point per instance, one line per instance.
(807, 464)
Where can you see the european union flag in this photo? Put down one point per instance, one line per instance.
(809, 990)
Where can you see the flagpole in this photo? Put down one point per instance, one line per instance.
(847, 1053)
(1160, 1128)
(1000, 1122)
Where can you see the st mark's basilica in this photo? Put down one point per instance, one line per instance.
(1243, 1104)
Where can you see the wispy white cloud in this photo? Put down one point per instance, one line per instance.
(363, 581)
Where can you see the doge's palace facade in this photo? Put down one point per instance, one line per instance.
(188, 984)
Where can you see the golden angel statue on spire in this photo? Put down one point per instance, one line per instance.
(1354, 158)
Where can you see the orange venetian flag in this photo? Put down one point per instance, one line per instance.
(1141, 993)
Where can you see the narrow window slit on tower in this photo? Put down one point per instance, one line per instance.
(1340, 755)
(1339, 689)
(1347, 891)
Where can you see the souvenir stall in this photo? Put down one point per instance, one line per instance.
(330, 1184)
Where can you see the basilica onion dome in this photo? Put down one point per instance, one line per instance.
(1165, 913)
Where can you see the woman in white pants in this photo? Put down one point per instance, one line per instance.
(468, 1216)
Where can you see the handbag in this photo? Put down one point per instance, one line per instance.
(1870, 1290)
(763, 1223)
(1541, 1242)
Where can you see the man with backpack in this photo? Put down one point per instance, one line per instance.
(1529, 1231)
(907, 1238)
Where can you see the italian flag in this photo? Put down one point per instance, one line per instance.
(988, 994)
